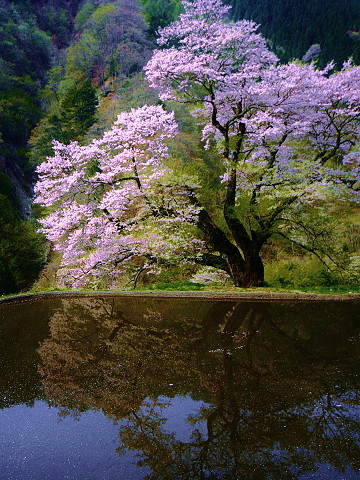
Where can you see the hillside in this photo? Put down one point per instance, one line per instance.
(79, 63)
(292, 26)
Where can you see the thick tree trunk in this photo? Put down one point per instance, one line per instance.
(249, 273)
(253, 271)
(242, 260)
(245, 267)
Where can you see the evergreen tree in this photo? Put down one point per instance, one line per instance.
(77, 109)
(291, 27)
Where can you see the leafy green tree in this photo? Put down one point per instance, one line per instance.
(84, 14)
(112, 41)
(21, 248)
(68, 119)
(78, 109)
(160, 13)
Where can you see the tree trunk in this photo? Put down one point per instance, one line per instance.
(247, 273)
(242, 261)
(254, 271)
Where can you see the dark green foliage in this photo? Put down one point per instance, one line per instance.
(21, 248)
(160, 13)
(19, 113)
(24, 57)
(292, 26)
(54, 17)
(57, 23)
(78, 109)
(5, 185)
(24, 48)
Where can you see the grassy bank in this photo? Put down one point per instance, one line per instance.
(188, 287)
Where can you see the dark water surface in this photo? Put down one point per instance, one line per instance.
(130, 388)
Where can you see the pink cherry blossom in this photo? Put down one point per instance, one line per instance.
(280, 128)
(288, 142)
(108, 199)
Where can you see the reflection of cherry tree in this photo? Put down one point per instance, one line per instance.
(263, 422)
(100, 357)
(277, 401)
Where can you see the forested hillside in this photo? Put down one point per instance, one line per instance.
(68, 68)
(25, 57)
(292, 26)
(57, 59)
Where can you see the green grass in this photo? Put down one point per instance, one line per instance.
(189, 286)
(198, 287)
(174, 286)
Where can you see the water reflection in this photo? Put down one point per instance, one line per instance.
(263, 390)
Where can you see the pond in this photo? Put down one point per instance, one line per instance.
(129, 387)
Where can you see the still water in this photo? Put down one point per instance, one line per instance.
(133, 388)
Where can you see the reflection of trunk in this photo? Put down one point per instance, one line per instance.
(233, 316)
(247, 241)
(216, 315)
(232, 399)
(251, 318)
(236, 319)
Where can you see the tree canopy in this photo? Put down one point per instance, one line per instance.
(286, 137)
(111, 206)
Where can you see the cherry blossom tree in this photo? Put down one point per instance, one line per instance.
(112, 205)
(286, 135)
(287, 141)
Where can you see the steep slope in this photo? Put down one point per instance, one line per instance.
(292, 26)
(26, 53)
